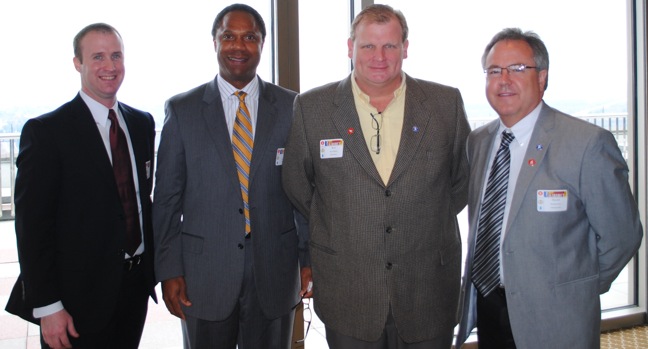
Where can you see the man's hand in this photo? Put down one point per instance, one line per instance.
(306, 283)
(174, 292)
(56, 328)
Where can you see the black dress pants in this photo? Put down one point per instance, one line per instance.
(493, 324)
(124, 330)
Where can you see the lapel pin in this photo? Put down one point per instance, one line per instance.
(415, 128)
(532, 162)
(539, 147)
(351, 130)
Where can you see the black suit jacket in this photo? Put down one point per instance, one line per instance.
(70, 224)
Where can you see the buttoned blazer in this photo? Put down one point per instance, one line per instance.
(557, 263)
(198, 208)
(70, 223)
(376, 246)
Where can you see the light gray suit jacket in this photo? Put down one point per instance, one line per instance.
(376, 246)
(557, 263)
(197, 212)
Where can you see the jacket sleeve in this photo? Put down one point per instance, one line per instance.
(460, 170)
(170, 179)
(297, 175)
(611, 208)
(36, 200)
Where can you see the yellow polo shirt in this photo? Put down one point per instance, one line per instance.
(391, 126)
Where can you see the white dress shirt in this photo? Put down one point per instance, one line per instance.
(522, 131)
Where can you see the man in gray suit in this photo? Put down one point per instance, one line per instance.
(225, 232)
(377, 163)
(568, 223)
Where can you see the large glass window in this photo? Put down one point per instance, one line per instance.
(168, 50)
(323, 34)
(588, 62)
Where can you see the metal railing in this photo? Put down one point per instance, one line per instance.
(616, 123)
(8, 154)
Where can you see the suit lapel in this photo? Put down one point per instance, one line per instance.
(265, 124)
(87, 133)
(139, 141)
(213, 116)
(345, 118)
(416, 120)
(541, 136)
(479, 157)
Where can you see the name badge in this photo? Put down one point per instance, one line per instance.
(331, 148)
(552, 200)
(148, 169)
(279, 158)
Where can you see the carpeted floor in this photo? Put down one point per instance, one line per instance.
(631, 338)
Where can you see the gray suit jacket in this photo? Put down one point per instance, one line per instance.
(198, 222)
(376, 246)
(557, 263)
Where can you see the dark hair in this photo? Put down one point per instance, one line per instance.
(379, 14)
(95, 27)
(239, 7)
(540, 53)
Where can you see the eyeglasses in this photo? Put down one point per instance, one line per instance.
(515, 69)
(375, 139)
(307, 318)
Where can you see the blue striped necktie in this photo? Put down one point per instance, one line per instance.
(486, 266)
(242, 143)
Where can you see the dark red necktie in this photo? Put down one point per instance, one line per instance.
(123, 170)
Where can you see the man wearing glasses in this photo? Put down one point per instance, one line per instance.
(552, 217)
(377, 163)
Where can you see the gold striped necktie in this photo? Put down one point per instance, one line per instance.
(242, 143)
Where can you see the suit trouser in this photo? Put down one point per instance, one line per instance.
(493, 324)
(124, 330)
(247, 326)
(388, 340)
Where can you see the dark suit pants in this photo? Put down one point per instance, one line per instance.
(388, 340)
(493, 324)
(124, 330)
(247, 326)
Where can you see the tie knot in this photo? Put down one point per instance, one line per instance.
(507, 138)
(111, 115)
(241, 95)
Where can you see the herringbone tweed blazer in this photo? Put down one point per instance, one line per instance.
(376, 247)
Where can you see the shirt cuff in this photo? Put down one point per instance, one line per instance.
(48, 310)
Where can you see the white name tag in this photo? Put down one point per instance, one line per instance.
(552, 200)
(331, 148)
(148, 169)
(279, 158)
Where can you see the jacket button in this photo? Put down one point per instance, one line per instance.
(389, 265)
(240, 246)
(389, 230)
(240, 210)
(388, 192)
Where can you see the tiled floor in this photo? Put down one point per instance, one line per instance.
(633, 338)
(162, 330)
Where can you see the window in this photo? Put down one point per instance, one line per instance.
(323, 34)
(588, 64)
(168, 49)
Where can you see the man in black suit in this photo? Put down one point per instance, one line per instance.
(83, 228)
